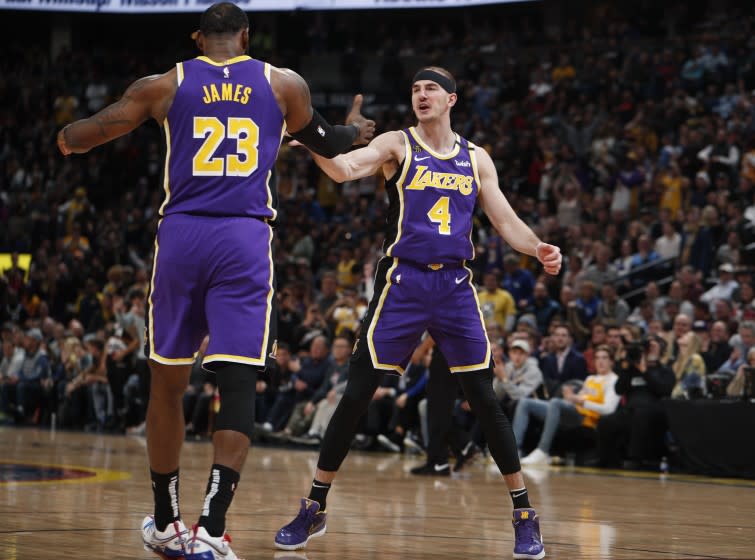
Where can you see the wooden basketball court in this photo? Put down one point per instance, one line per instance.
(79, 496)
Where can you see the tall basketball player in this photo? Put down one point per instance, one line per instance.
(435, 180)
(223, 115)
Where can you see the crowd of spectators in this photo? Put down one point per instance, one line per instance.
(632, 151)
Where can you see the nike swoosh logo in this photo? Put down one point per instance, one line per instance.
(439, 468)
(319, 486)
(460, 280)
(421, 158)
(519, 494)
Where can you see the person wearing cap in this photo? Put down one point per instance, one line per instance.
(518, 378)
(24, 391)
(434, 178)
(724, 288)
(596, 398)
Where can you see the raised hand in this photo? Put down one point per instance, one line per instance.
(365, 125)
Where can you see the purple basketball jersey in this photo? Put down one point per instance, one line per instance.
(432, 201)
(223, 132)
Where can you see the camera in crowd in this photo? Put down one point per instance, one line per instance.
(636, 349)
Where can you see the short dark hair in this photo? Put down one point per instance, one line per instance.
(223, 17)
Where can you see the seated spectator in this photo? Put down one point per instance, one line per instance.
(307, 374)
(22, 393)
(596, 398)
(563, 363)
(736, 387)
(198, 395)
(543, 308)
(323, 403)
(724, 288)
(669, 245)
(517, 281)
(612, 310)
(715, 348)
(689, 368)
(601, 271)
(597, 338)
(516, 379)
(411, 390)
(496, 303)
(635, 431)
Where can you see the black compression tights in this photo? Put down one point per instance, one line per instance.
(478, 388)
(363, 380)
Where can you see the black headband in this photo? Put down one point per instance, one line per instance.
(437, 77)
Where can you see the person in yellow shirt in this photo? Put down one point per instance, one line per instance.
(496, 303)
(596, 398)
(675, 187)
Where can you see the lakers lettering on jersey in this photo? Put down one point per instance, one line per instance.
(432, 201)
(222, 132)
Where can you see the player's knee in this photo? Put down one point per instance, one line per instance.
(237, 384)
(478, 388)
(168, 382)
(363, 380)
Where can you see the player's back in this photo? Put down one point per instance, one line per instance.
(223, 132)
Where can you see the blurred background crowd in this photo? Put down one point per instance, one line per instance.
(627, 142)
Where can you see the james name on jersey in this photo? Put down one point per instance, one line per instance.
(237, 93)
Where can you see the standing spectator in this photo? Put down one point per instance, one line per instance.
(636, 429)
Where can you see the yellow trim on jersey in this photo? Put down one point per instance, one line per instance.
(171, 361)
(233, 60)
(232, 358)
(486, 362)
(268, 71)
(371, 330)
(166, 178)
(400, 189)
(270, 292)
(428, 149)
(473, 159)
(179, 73)
(153, 355)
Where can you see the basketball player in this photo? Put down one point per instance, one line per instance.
(223, 115)
(435, 180)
